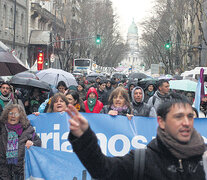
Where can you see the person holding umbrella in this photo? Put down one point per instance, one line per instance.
(61, 87)
(34, 101)
(149, 91)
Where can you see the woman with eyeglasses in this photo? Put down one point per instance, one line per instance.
(16, 133)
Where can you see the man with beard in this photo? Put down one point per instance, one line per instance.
(140, 108)
(175, 153)
(7, 97)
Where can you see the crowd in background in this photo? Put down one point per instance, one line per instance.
(109, 96)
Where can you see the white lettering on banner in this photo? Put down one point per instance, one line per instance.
(66, 144)
(107, 145)
(56, 142)
(45, 137)
(103, 142)
(125, 148)
(205, 139)
(136, 144)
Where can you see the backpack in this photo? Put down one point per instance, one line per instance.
(153, 100)
(139, 164)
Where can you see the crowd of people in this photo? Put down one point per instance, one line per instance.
(111, 97)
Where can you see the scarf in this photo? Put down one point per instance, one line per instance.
(17, 128)
(91, 103)
(150, 93)
(12, 142)
(163, 97)
(119, 109)
(5, 98)
(194, 147)
(77, 106)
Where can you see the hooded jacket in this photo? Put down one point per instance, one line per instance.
(98, 106)
(141, 108)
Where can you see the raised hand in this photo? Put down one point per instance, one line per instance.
(78, 124)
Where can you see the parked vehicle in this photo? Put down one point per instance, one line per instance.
(195, 73)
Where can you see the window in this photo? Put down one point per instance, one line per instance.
(11, 17)
(22, 24)
(82, 63)
(4, 17)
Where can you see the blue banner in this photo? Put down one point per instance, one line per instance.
(117, 136)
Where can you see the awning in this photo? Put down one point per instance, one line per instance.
(39, 37)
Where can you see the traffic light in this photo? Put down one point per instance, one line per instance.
(40, 60)
(98, 39)
(46, 62)
(168, 45)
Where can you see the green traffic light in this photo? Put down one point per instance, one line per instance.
(167, 46)
(98, 39)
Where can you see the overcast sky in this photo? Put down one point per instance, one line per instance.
(129, 9)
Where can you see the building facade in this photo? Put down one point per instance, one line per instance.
(18, 26)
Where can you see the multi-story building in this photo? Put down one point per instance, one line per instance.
(192, 35)
(46, 29)
(14, 26)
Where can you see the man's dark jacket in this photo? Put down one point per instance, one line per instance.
(102, 96)
(160, 164)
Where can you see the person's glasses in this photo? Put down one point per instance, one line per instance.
(13, 114)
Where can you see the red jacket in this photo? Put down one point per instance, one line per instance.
(98, 106)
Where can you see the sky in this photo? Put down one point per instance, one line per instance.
(129, 9)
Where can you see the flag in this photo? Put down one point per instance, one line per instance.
(199, 91)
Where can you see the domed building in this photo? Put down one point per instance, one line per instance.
(131, 60)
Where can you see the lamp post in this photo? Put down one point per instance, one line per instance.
(14, 25)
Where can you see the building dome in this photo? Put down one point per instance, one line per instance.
(133, 28)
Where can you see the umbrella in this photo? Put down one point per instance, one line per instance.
(146, 81)
(9, 64)
(120, 76)
(29, 83)
(93, 76)
(167, 77)
(53, 76)
(26, 74)
(178, 77)
(137, 76)
(185, 85)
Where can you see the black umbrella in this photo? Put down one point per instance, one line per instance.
(137, 76)
(29, 83)
(146, 81)
(9, 64)
(93, 76)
